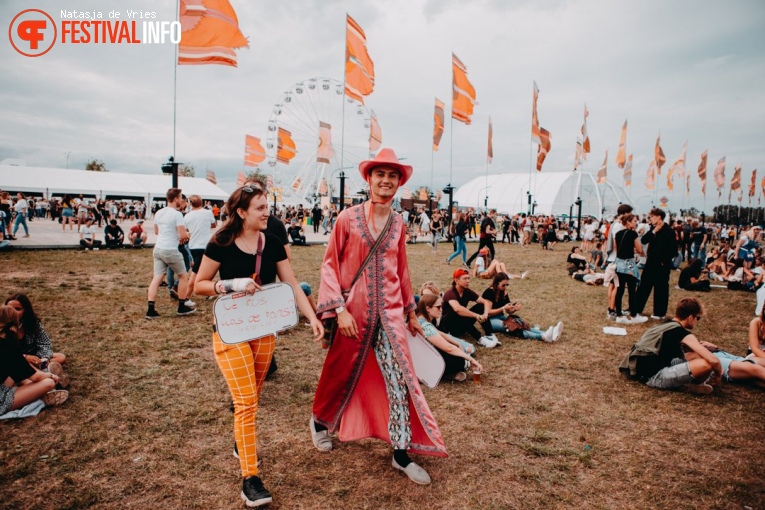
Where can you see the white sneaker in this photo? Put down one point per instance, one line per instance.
(656, 318)
(496, 340)
(524, 274)
(190, 303)
(557, 331)
(487, 342)
(639, 319)
(547, 336)
(624, 319)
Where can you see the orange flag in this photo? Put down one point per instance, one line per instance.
(628, 172)
(679, 165)
(375, 133)
(670, 174)
(535, 129)
(438, 124)
(285, 150)
(703, 173)
(543, 148)
(579, 154)
(240, 179)
(602, 173)
(209, 33)
(752, 184)
(720, 176)
(762, 185)
(254, 153)
(621, 155)
(325, 151)
(212, 179)
(659, 156)
(490, 152)
(735, 182)
(585, 134)
(359, 68)
(463, 93)
(651, 175)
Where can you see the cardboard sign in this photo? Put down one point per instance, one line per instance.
(242, 317)
(429, 365)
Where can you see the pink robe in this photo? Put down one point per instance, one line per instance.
(351, 398)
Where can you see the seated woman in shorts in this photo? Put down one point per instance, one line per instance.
(718, 266)
(456, 359)
(487, 270)
(736, 368)
(692, 277)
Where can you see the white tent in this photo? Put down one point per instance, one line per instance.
(57, 181)
(553, 192)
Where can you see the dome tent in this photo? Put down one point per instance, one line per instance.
(554, 193)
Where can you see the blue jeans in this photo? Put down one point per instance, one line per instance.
(533, 334)
(20, 218)
(461, 248)
(496, 323)
(699, 253)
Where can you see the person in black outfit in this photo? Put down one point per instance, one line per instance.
(691, 278)
(316, 218)
(486, 237)
(113, 235)
(661, 250)
(296, 234)
(505, 229)
(627, 244)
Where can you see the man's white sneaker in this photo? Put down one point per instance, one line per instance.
(639, 319)
(547, 336)
(190, 303)
(496, 340)
(624, 319)
(487, 342)
(557, 331)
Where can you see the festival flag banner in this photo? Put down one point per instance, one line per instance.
(678, 166)
(285, 149)
(670, 175)
(490, 150)
(762, 186)
(651, 175)
(628, 172)
(621, 155)
(254, 153)
(240, 179)
(752, 185)
(211, 177)
(735, 182)
(438, 123)
(602, 173)
(578, 154)
(535, 129)
(359, 68)
(720, 176)
(325, 152)
(543, 148)
(375, 133)
(585, 134)
(659, 156)
(463, 93)
(703, 173)
(209, 33)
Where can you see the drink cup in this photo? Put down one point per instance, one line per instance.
(476, 376)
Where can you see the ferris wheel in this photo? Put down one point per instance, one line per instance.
(312, 135)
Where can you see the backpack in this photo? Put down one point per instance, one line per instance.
(648, 345)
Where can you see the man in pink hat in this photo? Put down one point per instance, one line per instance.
(365, 283)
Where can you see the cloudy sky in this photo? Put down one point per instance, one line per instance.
(688, 70)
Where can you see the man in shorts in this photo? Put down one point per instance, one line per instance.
(669, 356)
(170, 231)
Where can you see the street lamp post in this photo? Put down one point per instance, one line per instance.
(529, 195)
(578, 217)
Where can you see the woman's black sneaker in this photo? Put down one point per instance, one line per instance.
(253, 492)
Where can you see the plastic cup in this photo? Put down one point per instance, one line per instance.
(477, 376)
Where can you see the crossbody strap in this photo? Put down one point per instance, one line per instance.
(259, 257)
(371, 253)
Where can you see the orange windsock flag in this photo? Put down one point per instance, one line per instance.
(628, 172)
(621, 154)
(463, 93)
(720, 176)
(535, 129)
(602, 172)
(325, 151)
(490, 150)
(659, 156)
(438, 123)
(752, 184)
(735, 182)
(285, 150)
(359, 68)
(585, 134)
(703, 173)
(651, 175)
(254, 153)
(543, 148)
(241, 179)
(209, 33)
(375, 133)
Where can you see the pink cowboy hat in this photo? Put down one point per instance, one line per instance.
(386, 157)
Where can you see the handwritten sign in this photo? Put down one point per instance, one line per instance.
(242, 317)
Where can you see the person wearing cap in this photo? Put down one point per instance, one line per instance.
(458, 319)
(137, 236)
(368, 386)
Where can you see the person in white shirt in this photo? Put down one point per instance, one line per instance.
(21, 214)
(201, 224)
(170, 231)
(424, 223)
(88, 235)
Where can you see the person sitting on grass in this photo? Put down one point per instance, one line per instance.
(34, 342)
(456, 359)
(718, 265)
(137, 235)
(692, 277)
(597, 257)
(22, 384)
(296, 234)
(576, 262)
(457, 319)
(113, 235)
(503, 309)
(88, 239)
(740, 277)
(659, 359)
(486, 269)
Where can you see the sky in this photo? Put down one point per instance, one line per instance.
(686, 70)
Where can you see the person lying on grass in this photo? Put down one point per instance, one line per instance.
(736, 369)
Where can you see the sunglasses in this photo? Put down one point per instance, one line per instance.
(437, 306)
(251, 189)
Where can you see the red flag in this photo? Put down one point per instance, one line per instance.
(762, 185)
(703, 173)
(254, 153)
(209, 33)
(659, 155)
(602, 173)
(375, 134)
(285, 150)
(490, 152)
(240, 179)
(621, 154)
(543, 148)
(438, 124)
(463, 93)
(325, 151)
(359, 68)
(628, 172)
(585, 135)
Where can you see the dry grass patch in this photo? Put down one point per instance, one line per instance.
(552, 425)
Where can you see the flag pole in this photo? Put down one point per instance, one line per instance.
(342, 124)
(175, 74)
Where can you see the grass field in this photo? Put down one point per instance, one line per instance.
(552, 426)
